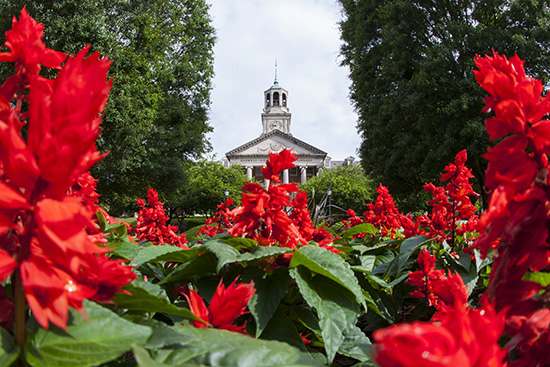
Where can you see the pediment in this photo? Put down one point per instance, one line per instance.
(275, 141)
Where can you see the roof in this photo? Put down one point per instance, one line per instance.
(270, 135)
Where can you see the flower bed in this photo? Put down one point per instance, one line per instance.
(260, 285)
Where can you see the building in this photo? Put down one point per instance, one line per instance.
(276, 136)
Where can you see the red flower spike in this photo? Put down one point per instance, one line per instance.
(27, 49)
(58, 262)
(151, 223)
(466, 338)
(277, 163)
(226, 305)
(64, 121)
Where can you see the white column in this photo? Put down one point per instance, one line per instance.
(285, 176)
(266, 183)
(249, 172)
(303, 174)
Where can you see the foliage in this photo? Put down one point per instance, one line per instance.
(155, 120)
(417, 100)
(350, 188)
(429, 290)
(206, 185)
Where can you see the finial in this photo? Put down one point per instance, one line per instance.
(275, 82)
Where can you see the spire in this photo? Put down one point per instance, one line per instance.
(275, 82)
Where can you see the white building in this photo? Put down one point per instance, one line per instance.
(275, 137)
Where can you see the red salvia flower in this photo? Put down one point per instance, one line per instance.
(151, 223)
(464, 337)
(423, 277)
(46, 246)
(262, 214)
(226, 305)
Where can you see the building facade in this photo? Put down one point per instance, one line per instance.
(276, 136)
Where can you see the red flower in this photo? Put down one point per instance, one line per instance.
(67, 118)
(262, 215)
(56, 262)
(465, 337)
(427, 273)
(27, 49)
(277, 163)
(151, 223)
(226, 305)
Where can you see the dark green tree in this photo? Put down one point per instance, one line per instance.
(349, 187)
(156, 117)
(206, 186)
(410, 64)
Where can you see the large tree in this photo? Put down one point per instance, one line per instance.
(207, 185)
(410, 64)
(156, 116)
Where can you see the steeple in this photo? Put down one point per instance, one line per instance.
(275, 82)
(276, 115)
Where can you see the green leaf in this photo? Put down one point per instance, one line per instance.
(356, 344)
(8, 349)
(539, 277)
(360, 228)
(101, 338)
(408, 247)
(140, 299)
(336, 306)
(203, 264)
(241, 243)
(212, 347)
(126, 250)
(269, 292)
(163, 253)
(324, 262)
(367, 261)
(227, 254)
(281, 328)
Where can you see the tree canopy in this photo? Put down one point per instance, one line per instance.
(207, 182)
(410, 64)
(156, 117)
(350, 189)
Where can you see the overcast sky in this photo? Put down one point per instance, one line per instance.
(303, 36)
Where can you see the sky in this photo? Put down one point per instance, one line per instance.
(303, 37)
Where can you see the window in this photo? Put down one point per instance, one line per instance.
(276, 99)
(293, 171)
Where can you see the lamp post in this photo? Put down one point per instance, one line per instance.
(329, 193)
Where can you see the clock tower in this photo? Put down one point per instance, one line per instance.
(275, 114)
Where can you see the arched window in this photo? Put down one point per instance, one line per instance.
(267, 99)
(284, 99)
(276, 99)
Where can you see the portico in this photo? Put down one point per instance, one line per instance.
(275, 137)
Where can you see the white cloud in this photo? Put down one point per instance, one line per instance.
(303, 37)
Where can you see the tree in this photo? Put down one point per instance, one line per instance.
(207, 182)
(350, 189)
(156, 118)
(410, 64)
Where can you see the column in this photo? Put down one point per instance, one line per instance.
(285, 176)
(249, 172)
(303, 174)
(266, 183)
